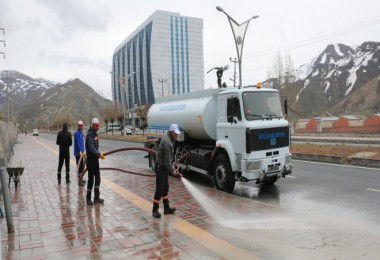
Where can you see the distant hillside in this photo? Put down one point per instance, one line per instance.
(336, 81)
(40, 103)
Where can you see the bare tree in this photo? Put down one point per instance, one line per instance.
(119, 117)
(142, 112)
(106, 117)
(112, 113)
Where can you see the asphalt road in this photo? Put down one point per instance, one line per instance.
(357, 188)
(321, 209)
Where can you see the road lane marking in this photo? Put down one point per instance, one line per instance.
(289, 176)
(338, 165)
(372, 190)
(215, 244)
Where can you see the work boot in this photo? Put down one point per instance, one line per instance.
(169, 210)
(89, 202)
(99, 201)
(156, 214)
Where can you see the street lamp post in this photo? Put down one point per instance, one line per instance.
(123, 83)
(239, 31)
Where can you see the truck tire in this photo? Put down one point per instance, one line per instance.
(223, 176)
(152, 157)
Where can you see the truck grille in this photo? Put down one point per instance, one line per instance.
(267, 138)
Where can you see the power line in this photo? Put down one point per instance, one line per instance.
(323, 37)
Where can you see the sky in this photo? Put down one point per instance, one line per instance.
(63, 39)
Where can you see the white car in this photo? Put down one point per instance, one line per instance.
(127, 130)
(35, 132)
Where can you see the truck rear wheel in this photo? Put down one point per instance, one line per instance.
(223, 177)
(152, 157)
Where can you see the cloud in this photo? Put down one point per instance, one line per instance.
(73, 16)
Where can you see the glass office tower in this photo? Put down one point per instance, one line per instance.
(164, 56)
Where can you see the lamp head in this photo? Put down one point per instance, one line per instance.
(220, 9)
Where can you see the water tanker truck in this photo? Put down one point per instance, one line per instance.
(230, 134)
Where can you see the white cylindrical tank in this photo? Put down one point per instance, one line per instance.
(195, 113)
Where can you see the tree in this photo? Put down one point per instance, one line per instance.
(282, 72)
(142, 112)
(119, 117)
(105, 116)
(113, 112)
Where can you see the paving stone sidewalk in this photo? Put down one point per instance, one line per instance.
(53, 221)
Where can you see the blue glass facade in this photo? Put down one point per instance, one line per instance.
(162, 57)
(148, 64)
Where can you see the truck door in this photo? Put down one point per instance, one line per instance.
(229, 125)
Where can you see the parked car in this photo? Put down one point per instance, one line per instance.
(127, 130)
(35, 132)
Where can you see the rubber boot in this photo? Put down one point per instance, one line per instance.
(67, 177)
(88, 199)
(167, 208)
(155, 212)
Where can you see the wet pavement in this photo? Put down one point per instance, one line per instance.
(53, 222)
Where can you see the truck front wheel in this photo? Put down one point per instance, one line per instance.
(223, 177)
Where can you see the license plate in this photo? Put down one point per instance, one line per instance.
(273, 168)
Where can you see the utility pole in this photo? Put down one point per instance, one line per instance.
(234, 79)
(7, 79)
(3, 41)
(162, 86)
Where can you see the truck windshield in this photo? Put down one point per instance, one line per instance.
(259, 105)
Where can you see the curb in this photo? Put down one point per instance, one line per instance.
(318, 158)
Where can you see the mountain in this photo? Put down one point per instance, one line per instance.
(335, 78)
(24, 88)
(41, 103)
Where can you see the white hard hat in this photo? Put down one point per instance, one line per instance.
(95, 121)
(80, 122)
(174, 128)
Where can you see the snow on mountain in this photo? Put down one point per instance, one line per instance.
(21, 87)
(334, 74)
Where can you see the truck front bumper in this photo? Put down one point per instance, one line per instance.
(267, 168)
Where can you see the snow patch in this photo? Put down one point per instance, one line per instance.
(327, 86)
(362, 60)
(323, 59)
(303, 71)
(315, 73)
(337, 50)
(307, 82)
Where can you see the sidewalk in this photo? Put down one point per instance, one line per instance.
(53, 222)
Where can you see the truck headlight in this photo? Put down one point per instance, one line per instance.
(288, 158)
(253, 165)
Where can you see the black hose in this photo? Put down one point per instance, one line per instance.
(117, 169)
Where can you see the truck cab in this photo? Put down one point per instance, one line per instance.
(253, 134)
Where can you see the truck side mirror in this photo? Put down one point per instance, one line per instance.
(286, 106)
(230, 119)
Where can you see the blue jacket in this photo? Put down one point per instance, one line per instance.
(78, 143)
